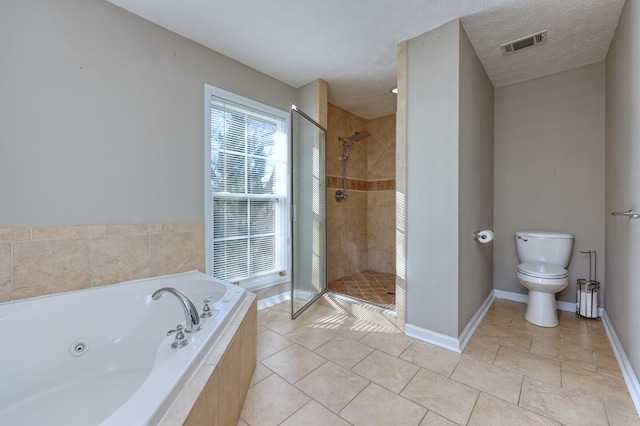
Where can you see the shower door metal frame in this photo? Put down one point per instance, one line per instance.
(294, 207)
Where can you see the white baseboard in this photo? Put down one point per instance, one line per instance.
(523, 298)
(628, 374)
(475, 321)
(448, 342)
(509, 295)
(274, 300)
(435, 338)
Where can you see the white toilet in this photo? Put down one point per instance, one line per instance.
(544, 257)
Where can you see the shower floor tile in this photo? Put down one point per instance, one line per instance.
(373, 287)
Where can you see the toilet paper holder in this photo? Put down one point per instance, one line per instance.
(587, 291)
(480, 236)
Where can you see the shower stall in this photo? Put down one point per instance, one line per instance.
(361, 207)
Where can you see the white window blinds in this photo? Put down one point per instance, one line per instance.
(249, 187)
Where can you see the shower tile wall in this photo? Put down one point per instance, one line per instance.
(381, 203)
(346, 221)
(361, 229)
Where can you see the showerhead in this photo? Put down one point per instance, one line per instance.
(341, 194)
(358, 136)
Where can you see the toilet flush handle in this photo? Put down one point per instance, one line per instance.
(523, 239)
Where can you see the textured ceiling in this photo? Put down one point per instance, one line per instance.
(353, 44)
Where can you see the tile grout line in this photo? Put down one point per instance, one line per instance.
(318, 402)
(491, 362)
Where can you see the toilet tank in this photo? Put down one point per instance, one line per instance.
(544, 247)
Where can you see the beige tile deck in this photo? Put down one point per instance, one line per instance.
(511, 373)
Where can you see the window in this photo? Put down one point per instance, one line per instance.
(246, 191)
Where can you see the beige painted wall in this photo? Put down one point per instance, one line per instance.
(433, 179)
(475, 269)
(549, 168)
(622, 269)
(101, 145)
(101, 115)
(449, 181)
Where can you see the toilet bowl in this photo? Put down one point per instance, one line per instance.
(543, 282)
(544, 257)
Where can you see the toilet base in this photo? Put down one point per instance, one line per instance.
(541, 309)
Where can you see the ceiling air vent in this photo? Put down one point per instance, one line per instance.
(524, 42)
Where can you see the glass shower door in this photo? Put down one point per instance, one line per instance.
(308, 218)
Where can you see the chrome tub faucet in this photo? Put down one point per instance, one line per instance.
(192, 319)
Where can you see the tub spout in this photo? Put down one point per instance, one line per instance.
(190, 312)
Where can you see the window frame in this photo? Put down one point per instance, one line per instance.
(262, 280)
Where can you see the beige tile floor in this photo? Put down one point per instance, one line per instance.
(326, 368)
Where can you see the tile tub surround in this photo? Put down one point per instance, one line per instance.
(216, 392)
(336, 369)
(36, 261)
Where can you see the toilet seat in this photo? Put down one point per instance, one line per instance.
(542, 270)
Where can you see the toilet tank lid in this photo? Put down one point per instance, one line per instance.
(543, 234)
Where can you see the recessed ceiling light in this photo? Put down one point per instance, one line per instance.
(394, 90)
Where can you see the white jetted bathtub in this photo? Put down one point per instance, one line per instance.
(102, 355)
